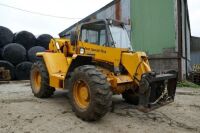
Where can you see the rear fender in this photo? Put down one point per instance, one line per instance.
(57, 65)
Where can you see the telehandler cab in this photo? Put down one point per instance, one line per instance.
(96, 62)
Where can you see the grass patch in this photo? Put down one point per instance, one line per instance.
(187, 84)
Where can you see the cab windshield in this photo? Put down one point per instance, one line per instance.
(120, 37)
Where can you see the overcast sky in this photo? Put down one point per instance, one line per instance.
(73, 10)
(194, 12)
(18, 20)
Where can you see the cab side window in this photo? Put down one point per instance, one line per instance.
(94, 34)
(89, 36)
(102, 37)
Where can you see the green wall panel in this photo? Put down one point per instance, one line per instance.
(153, 25)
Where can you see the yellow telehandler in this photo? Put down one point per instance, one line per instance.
(96, 62)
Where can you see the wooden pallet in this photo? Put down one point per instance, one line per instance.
(195, 77)
(4, 74)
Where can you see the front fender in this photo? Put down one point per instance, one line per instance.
(136, 64)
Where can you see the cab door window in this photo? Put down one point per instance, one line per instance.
(89, 36)
(94, 33)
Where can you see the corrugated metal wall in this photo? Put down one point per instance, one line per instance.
(195, 51)
(195, 57)
(153, 25)
(119, 10)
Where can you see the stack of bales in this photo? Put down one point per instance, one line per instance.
(18, 51)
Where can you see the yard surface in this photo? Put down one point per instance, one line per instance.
(21, 112)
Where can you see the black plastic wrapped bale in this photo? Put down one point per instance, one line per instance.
(1, 50)
(8, 66)
(32, 53)
(6, 36)
(26, 39)
(14, 34)
(14, 53)
(44, 40)
(22, 71)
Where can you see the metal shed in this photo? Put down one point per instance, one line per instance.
(195, 51)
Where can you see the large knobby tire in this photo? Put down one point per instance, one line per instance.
(131, 97)
(89, 93)
(39, 79)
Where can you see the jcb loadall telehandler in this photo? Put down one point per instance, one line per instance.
(95, 63)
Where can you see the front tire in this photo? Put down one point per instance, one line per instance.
(89, 93)
(39, 79)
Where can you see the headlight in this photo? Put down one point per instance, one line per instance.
(82, 50)
(57, 46)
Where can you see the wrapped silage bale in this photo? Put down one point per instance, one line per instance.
(6, 36)
(22, 70)
(14, 53)
(44, 40)
(32, 53)
(25, 38)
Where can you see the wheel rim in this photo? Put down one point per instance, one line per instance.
(81, 94)
(37, 81)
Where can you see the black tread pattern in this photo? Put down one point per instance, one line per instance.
(45, 91)
(100, 93)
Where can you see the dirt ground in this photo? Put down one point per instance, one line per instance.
(21, 112)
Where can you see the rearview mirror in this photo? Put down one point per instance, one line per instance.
(73, 37)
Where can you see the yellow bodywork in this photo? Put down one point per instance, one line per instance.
(102, 53)
(136, 64)
(95, 62)
(57, 65)
(58, 62)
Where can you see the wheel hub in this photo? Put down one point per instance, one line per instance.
(84, 93)
(37, 81)
(81, 94)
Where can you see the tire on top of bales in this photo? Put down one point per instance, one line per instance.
(14, 53)
(32, 53)
(8, 66)
(6, 36)
(25, 38)
(22, 71)
(44, 40)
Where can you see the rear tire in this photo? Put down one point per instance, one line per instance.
(39, 79)
(97, 102)
(131, 97)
